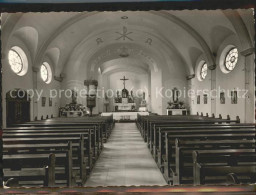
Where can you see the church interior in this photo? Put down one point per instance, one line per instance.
(128, 98)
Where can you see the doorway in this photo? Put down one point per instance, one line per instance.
(17, 107)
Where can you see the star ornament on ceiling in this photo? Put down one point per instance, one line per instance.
(124, 34)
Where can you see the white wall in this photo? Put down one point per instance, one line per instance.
(198, 88)
(170, 81)
(227, 82)
(11, 81)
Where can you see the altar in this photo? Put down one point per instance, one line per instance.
(124, 107)
(74, 113)
(124, 116)
(125, 102)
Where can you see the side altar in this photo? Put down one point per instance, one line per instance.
(125, 101)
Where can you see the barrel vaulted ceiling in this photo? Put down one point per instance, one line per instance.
(137, 41)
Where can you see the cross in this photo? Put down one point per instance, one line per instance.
(124, 79)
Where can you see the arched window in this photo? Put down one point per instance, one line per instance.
(203, 71)
(46, 72)
(18, 61)
(231, 59)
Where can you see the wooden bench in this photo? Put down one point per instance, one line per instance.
(94, 142)
(28, 168)
(50, 136)
(49, 145)
(38, 174)
(105, 123)
(147, 126)
(184, 150)
(169, 158)
(160, 129)
(187, 120)
(104, 132)
(215, 164)
(158, 144)
(96, 134)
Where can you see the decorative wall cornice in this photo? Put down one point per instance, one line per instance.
(248, 51)
(60, 78)
(190, 76)
(212, 67)
(35, 69)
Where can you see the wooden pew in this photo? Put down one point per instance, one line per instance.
(104, 133)
(50, 144)
(158, 142)
(149, 122)
(96, 139)
(170, 157)
(154, 138)
(105, 123)
(217, 163)
(28, 168)
(142, 121)
(37, 173)
(184, 150)
(54, 133)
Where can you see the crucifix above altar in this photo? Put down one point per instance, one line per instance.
(125, 102)
(125, 92)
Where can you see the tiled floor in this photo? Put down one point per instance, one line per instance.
(125, 160)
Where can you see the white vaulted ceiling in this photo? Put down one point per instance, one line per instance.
(81, 43)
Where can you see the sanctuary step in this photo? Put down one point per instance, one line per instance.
(128, 116)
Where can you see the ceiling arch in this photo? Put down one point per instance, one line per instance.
(165, 27)
(88, 48)
(8, 23)
(218, 35)
(29, 36)
(192, 31)
(54, 55)
(240, 28)
(56, 33)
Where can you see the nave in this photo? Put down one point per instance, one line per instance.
(125, 161)
(158, 150)
(65, 88)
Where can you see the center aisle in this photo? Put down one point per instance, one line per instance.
(125, 160)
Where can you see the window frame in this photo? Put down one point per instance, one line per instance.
(201, 71)
(229, 54)
(49, 72)
(22, 57)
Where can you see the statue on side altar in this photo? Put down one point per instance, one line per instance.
(118, 99)
(130, 97)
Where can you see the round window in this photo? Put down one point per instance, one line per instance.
(228, 59)
(18, 61)
(231, 59)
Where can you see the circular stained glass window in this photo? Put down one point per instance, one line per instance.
(15, 61)
(231, 59)
(203, 71)
(18, 61)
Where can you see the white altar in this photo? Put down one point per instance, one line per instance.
(176, 112)
(124, 115)
(74, 113)
(124, 105)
